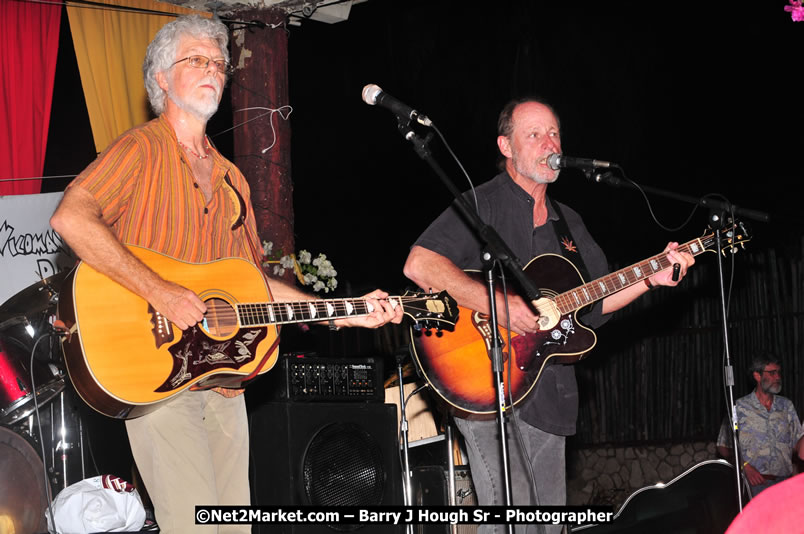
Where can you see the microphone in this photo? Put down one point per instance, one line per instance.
(373, 95)
(560, 161)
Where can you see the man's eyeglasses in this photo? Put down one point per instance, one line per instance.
(201, 62)
(773, 372)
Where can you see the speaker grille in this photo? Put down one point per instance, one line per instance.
(343, 466)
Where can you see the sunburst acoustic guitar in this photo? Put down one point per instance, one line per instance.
(125, 359)
(456, 363)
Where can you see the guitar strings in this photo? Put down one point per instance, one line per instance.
(222, 311)
(567, 302)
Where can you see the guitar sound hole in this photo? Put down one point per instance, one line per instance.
(220, 319)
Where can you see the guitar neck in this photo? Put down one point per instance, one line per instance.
(604, 286)
(305, 311)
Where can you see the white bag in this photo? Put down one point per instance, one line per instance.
(99, 504)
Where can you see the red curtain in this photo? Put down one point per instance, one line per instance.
(29, 42)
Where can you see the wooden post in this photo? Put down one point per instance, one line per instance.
(260, 58)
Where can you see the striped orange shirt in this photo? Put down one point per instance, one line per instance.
(148, 195)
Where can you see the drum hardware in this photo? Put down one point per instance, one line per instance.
(64, 442)
(64, 445)
(34, 299)
(8, 323)
(32, 376)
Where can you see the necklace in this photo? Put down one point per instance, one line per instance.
(193, 152)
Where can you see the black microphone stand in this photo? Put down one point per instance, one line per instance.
(719, 223)
(407, 482)
(495, 249)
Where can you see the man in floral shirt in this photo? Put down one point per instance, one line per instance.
(769, 429)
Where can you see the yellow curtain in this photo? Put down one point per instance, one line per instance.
(110, 46)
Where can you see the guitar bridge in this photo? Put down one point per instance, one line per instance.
(161, 328)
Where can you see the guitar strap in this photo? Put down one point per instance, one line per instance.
(241, 219)
(568, 246)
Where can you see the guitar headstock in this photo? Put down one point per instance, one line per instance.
(733, 237)
(431, 310)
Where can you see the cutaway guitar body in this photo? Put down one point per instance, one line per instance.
(457, 363)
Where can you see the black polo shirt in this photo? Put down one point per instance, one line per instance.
(552, 406)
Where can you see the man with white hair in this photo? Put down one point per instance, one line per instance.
(162, 185)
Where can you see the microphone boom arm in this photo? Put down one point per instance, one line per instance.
(610, 179)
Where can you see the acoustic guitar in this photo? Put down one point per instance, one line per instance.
(125, 358)
(456, 363)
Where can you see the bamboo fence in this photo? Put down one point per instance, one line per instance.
(657, 372)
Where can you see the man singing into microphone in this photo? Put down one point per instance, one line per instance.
(516, 204)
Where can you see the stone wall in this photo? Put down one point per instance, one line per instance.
(608, 475)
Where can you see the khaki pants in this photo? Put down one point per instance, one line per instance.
(193, 451)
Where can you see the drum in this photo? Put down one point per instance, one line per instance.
(16, 388)
(23, 490)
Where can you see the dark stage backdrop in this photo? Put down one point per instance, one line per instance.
(689, 96)
(692, 97)
(686, 96)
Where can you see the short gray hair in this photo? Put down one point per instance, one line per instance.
(759, 362)
(161, 53)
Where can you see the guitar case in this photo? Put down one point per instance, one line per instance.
(702, 500)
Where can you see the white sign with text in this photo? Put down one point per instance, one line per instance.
(30, 249)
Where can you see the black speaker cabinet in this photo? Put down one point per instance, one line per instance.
(325, 454)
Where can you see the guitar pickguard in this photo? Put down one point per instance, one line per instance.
(196, 354)
(532, 349)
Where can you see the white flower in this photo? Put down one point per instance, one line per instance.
(326, 271)
(318, 273)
